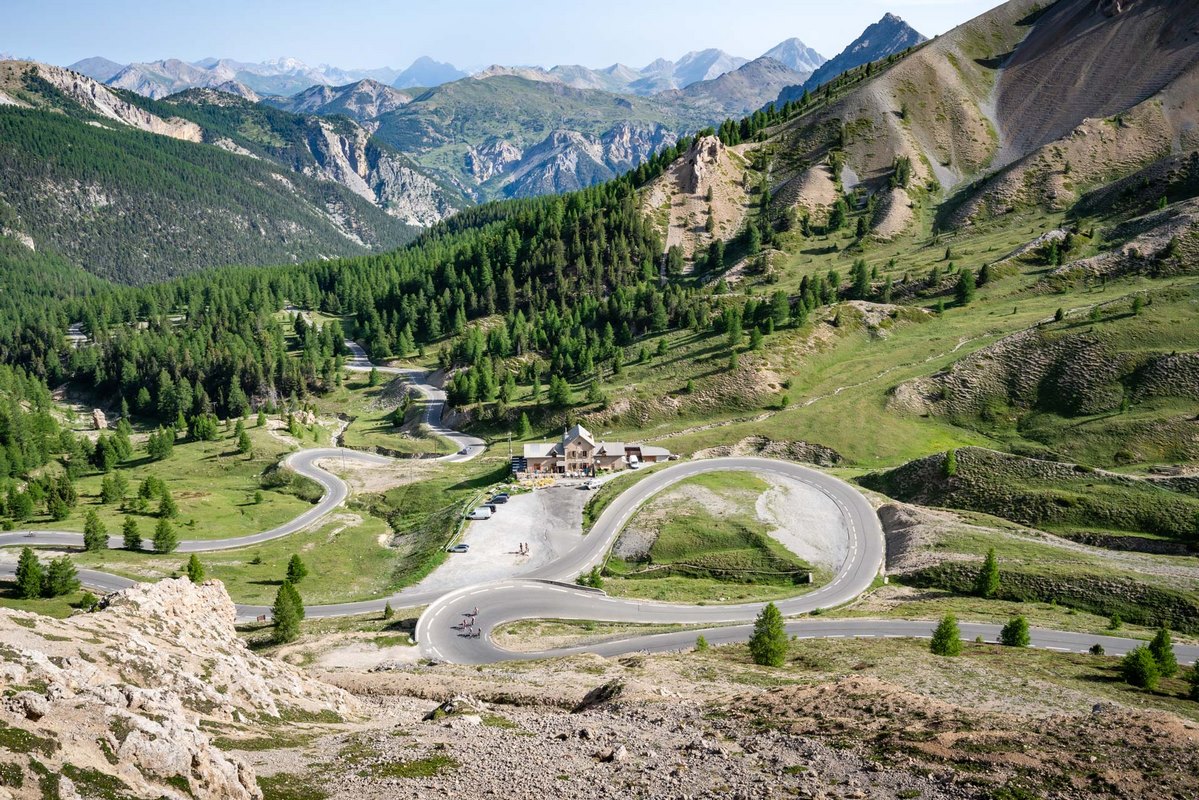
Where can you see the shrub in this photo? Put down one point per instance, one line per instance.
(1139, 668)
(768, 644)
(1015, 632)
(947, 637)
(1193, 679)
(1097, 649)
(701, 644)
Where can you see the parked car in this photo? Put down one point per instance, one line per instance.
(634, 464)
(480, 513)
(492, 507)
(458, 548)
(591, 484)
(499, 498)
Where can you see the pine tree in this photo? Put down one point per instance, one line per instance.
(1139, 668)
(951, 463)
(947, 637)
(965, 288)
(61, 578)
(244, 445)
(388, 611)
(194, 569)
(167, 508)
(987, 582)
(285, 615)
(165, 539)
(131, 534)
(29, 575)
(95, 535)
(1015, 632)
(1193, 679)
(525, 430)
(1162, 650)
(768, 644)
(296, 571)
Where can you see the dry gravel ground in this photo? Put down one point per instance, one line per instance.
(842, 720)
(549, 520)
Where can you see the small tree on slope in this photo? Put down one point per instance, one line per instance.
(987, 582)
(296, 570)
(947, 637)
(287, 613)
(768, 644)
(1162, 650)
(95, 535)
(29, 575)
(1015, 632)
(194, 569)
(1139, 668)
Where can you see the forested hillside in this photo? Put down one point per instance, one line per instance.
(137, 207)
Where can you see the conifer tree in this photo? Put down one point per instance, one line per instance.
(1139, 668)
(95, 535)
(768, 644)
(1162, 650)
(194, 569)
(986, 584)
(165, 539)
(1015, 632)
(29, 575)
(131, 534)
(296, 570)
(947, 637)
(61, 578)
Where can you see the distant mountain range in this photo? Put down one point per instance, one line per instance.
(444, 139)
(284, 77)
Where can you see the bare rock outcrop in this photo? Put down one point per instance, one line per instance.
(122, 697)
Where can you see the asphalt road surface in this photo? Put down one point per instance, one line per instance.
(466, 446)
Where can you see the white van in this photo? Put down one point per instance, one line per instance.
(480, 513)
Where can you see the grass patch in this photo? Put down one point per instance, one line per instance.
(287, 786)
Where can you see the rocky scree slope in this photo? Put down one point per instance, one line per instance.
(123, 700)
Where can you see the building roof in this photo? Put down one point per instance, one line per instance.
(539, 449)
(578, 432)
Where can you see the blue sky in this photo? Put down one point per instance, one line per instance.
(374, 33)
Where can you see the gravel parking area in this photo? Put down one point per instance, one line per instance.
(805, 521)
(549, 520)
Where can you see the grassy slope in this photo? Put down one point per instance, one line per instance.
(212, 484)
(703, 554)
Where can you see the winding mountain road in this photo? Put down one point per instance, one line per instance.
(467, 446)
(548, 592)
